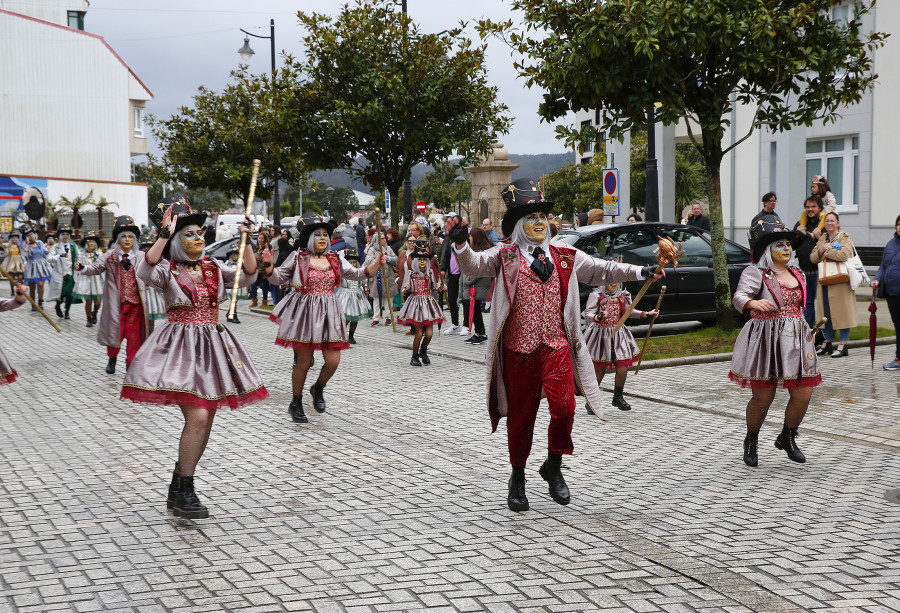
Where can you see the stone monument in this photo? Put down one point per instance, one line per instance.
(489, 177)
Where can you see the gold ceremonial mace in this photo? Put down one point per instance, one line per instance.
(819, 324)
(662, 292)
(33, 303)
(666, 253)
(232, 310)
(384, 280)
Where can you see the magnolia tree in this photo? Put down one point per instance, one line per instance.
(788, 61)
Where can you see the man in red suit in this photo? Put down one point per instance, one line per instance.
(534, 338)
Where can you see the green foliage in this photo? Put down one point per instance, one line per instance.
(690, 182)
(788, 60)
(202, 199)
(379, 96)
(439, 187)
(576, 188)
(212, 144)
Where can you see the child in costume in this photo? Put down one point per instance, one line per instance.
(420, 310)
(89, 289)
(604, 308)
(7, 372)
(352, 296)
(193, 361)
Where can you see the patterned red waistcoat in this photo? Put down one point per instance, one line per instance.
(536, 314)
(128, 291)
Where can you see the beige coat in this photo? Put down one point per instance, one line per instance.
(841, 299)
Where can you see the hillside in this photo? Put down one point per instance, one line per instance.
(530, 166)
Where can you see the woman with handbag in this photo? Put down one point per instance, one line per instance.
(479, 241)
(888, 280)
(838, 302)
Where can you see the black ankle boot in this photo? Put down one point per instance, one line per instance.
(66, 316)
(618, 400)
(516, 500)
(826, 349)
(318, 394)
(173, 489)
(59, 312)
(787, 441)
(111, 366)
(415, 360)
(424, 357)
(352, 340)
(587, 407)
(187, 505)
(90, 323)
(296, 410)
(551, 473)
(750, 458)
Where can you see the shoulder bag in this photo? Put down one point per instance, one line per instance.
(857, 271)
(832, 273)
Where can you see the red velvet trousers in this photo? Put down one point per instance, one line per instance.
(131, 330)
(525, 374)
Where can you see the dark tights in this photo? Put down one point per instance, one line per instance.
(762, 399)
(304, 360)
(353, 325)
(89, 307)
(421, 331)
(194, 437)
(621, 373)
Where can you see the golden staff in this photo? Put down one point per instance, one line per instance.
(662, 292)
(384, 279)
(232, 310)
(819, 324)
(666, 253)
(31, 300)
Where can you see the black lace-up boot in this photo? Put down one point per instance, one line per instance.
(318, 394)
(787, 441)
(618, 400)
(516, 500)
(750, 458)
(296, 410)
(187, 504)
(552, 474)
(173, 488)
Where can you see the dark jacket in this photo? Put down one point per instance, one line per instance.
(806, 246)
(284, 250)
(698, 222)
(763, 213)
(889, 271)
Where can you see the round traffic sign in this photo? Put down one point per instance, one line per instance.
(609, 183)
(420, 206)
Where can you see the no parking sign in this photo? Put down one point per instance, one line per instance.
(611, 192)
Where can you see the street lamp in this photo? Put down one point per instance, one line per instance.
(459, 181)
(246, 53)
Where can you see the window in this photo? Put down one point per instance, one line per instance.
(838, 160)
(843, 13)
(636, 247)
(138, 122)
(76, 20)
(587, 145)
(697, 251)
(599, 248)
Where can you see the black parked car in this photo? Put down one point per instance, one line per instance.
(689, 288)
(219, 249)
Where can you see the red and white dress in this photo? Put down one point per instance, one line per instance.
(610, 350)
(420, 308)
(7, 372)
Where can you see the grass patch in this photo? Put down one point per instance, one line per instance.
(715, 340)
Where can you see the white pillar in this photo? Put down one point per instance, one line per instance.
(790, 173)
(665, 163)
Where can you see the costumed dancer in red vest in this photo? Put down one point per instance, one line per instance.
(7, 372)
(535, 340)
(192, 361)
(776, 347)
(311, 317)
(123, 316)
(421, 310)
(609, 351)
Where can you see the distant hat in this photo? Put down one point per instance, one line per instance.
(124, 223)
(420, 249)
(234, 247)
(146, 241)
(309, 223)
(768, 229)
(25, 229)
(451, 215)
(63, 228)
(90, 236)
(351, 253)
(522, 197)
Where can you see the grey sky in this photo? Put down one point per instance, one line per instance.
(174, 47)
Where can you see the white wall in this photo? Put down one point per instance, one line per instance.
(54, 11)
(886, 125)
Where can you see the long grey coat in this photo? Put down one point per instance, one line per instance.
(108, 329)
(574, 266)
(62, 265)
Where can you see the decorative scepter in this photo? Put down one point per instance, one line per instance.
(662, 293)
(384, 279)
(232, 310)
(667, 252)
(31, 300)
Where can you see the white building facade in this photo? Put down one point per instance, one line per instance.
(854, 153)
(71, 110)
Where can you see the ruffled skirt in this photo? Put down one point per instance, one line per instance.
(608, 351)
(13, 264)
(192, 365)
(775, 352)
(354, 304)
(89, 288)
(7, 372)
(420, 311)
(310, 321)
(153, 301)
(38, 270)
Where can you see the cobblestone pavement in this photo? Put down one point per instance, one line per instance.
(394, 499)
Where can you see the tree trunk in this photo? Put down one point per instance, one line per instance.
(396, 205)
(712, 153)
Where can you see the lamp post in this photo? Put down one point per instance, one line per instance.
(459, 181)
(246, 53)
(651, 200)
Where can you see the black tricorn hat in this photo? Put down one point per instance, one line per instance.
(768, 229)
(90, 236)
(309, 223)
(181, 207)
(124, 223)
(522, 197)
(351, 253)
(63, 228)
